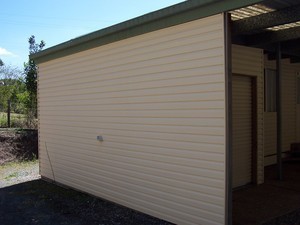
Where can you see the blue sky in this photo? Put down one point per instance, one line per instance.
(58, 21)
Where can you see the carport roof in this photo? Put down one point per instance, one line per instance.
(167, 17)
(268, 23)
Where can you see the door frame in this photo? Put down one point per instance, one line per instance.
(254, 132)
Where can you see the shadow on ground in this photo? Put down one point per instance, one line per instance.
(272, 203)
(42, 203)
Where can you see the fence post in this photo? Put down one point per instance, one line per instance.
(8, 113)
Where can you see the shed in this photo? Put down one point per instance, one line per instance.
(168, 112)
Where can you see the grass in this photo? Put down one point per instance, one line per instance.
(19, 164)
(16, 120)
(11, 176)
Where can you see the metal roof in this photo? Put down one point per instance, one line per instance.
(268, 23)
(263, 8)
(280, 4)
(249, 11)
(255, 23)
(284, 26)
(170, 16)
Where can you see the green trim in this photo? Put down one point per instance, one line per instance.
(177, 14)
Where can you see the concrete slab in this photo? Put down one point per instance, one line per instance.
(259, 204)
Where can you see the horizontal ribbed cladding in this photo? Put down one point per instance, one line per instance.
(158, 100)
(241, 130)
(249, 61)
(289, 111)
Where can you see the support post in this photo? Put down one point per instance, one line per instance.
(279, 111)
(8, 113)
(228, 92)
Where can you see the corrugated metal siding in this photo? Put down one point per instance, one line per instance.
(242, 130)
(270, 136)
(289, 101)
(249, 61)
(289, 112)
(270, 127)
(158, 100)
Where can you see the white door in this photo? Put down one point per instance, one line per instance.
(242, 130)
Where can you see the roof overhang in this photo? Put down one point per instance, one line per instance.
(177, 14)
(267, 24)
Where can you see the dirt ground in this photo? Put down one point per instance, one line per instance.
(18, 145)
(18, 156)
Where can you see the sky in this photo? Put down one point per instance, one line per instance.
(57, 21)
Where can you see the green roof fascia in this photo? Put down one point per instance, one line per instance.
(173, 15)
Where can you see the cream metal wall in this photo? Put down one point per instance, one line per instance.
(158, 100)
(289, 112)
(249, 62)
(242, 130)
(270, 128)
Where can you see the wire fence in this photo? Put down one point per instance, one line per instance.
(11, 116)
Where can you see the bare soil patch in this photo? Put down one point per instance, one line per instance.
(18, 145)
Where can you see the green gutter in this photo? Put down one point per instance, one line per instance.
(177, 14)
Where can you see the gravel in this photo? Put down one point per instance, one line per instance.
(18, 172)
(38, 202)
(292, 218)
(26, 199)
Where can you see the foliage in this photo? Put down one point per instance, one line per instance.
(20, 88)
(31, 75)
(17, 120)
(3, 120)
(13, 88)
(11, 85)
(31, 67)
(34, 47)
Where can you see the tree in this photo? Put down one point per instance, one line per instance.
(11, 84)
(31, 67)
(31, 73)
(1, 63)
